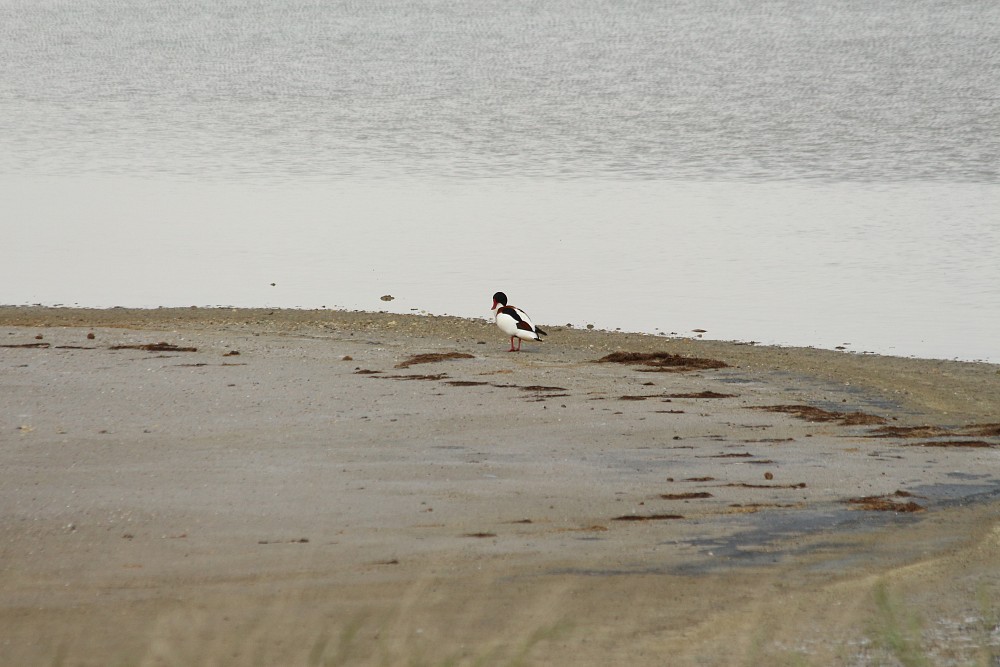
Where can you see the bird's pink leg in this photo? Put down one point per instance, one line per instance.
(512, 344)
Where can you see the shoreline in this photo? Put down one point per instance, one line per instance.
(933, 387)
(232, 486)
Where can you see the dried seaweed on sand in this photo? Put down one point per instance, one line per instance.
(661, 362)
(814, 414)
(433, 357)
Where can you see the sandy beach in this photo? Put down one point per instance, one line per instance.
(284, 487)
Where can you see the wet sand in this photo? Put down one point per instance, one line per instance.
(230, 487)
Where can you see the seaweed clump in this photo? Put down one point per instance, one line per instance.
(661, 362)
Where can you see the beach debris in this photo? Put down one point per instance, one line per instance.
(699, 479)
(433, 357)
(480, 535)
(953, 443)
(686, 496)
(980, 430)
(387, 297)
(39, 345)
(768, 475)
(415, 376)
(91, 336)
(885, 503)
(751, 508)
(540, 392)
(232, 353)
(702, 394)
(906, 432)
(162, 346)
(647, 517)
(814, 414)
(661, 362)
(667, 397)
(745, 485)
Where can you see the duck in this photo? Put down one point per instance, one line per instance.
(514, 322)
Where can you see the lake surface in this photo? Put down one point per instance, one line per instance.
(819, 173)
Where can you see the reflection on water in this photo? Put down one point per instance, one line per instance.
(899, 269)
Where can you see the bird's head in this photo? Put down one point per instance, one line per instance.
(499, 299)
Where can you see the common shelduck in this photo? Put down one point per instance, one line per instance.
(514, 322)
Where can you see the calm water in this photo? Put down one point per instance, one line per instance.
(807, 173)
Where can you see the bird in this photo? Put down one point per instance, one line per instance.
(514, 322)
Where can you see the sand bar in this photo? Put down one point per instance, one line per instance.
(232, 486)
